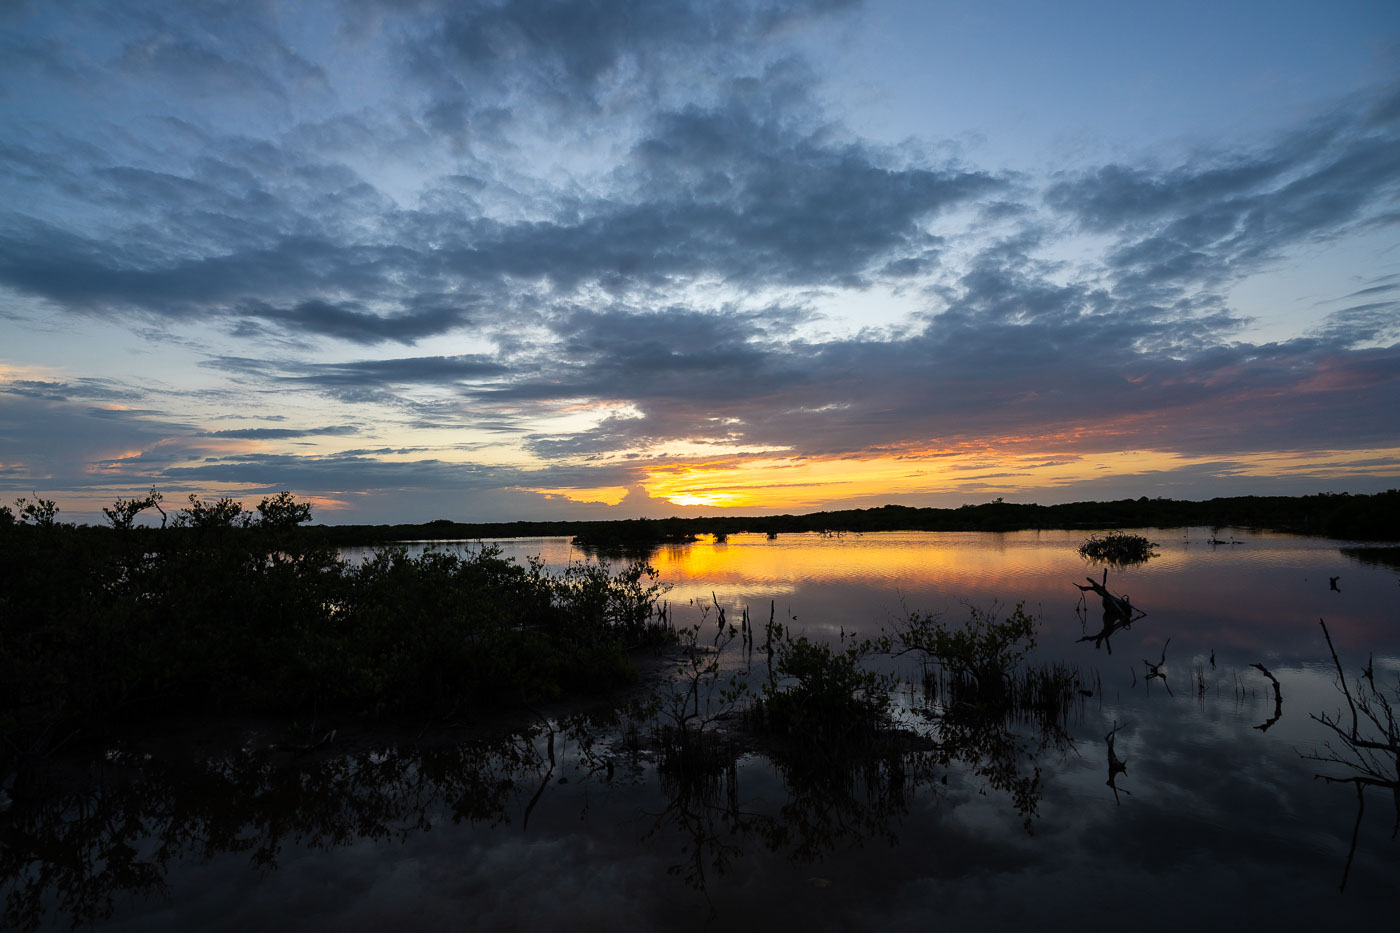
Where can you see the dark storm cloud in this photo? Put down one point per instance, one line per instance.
(739, 191)
(210, 49)
(82, 273)
(201, 71)
(672, 353)
(338, 472)
(1365, 323)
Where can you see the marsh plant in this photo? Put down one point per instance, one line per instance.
(696, 701)
(982, 663)
(980, 655)
(978, 685)
(823, 696)
(1118, 549)
(231, 611)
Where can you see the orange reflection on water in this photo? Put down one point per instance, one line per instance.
(911, 561)
(1264, 593)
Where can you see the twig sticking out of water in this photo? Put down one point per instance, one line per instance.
(768, 631)
(1154, 671)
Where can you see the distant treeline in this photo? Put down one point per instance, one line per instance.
(1339, 515)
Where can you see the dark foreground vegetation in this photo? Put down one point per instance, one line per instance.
(226, 612)
(223, 611)
(230, 612)
(1368, 517)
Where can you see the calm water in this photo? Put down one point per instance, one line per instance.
(567, 824)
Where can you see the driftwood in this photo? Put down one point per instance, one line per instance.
(1118, 611)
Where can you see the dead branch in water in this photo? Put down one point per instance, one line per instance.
(1278, 699)
(1369, 750)
(1116, 765)
(1154, 671)
(1118, 611)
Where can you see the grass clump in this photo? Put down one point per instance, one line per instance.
(1118, 549)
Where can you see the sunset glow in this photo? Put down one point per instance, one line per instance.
(779, 485)
(626, 259)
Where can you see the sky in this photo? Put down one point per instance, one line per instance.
(543, 259)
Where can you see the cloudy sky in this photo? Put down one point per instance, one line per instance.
(545, 258)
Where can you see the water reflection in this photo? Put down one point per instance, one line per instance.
(846, 800)
(1116, 765)
(1366, 750)
(1201, 790)
(1228, 598)
(80, 844)
(1119, 613)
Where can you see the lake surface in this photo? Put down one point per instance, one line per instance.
(566, 822)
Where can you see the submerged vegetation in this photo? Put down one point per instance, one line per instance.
(228, 611)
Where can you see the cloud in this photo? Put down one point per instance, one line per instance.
(54, 441)
(369, 374)
(731, 193)
(1220, 215)
(628, 234)
(257, 434)
(579, 60)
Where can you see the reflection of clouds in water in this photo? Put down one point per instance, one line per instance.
(1224, 826)
(1216, 809)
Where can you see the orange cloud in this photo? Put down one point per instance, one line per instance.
(791, 484)
(608, 495)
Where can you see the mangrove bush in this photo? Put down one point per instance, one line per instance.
(231, 611)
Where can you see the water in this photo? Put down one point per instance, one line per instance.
(567, 823)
